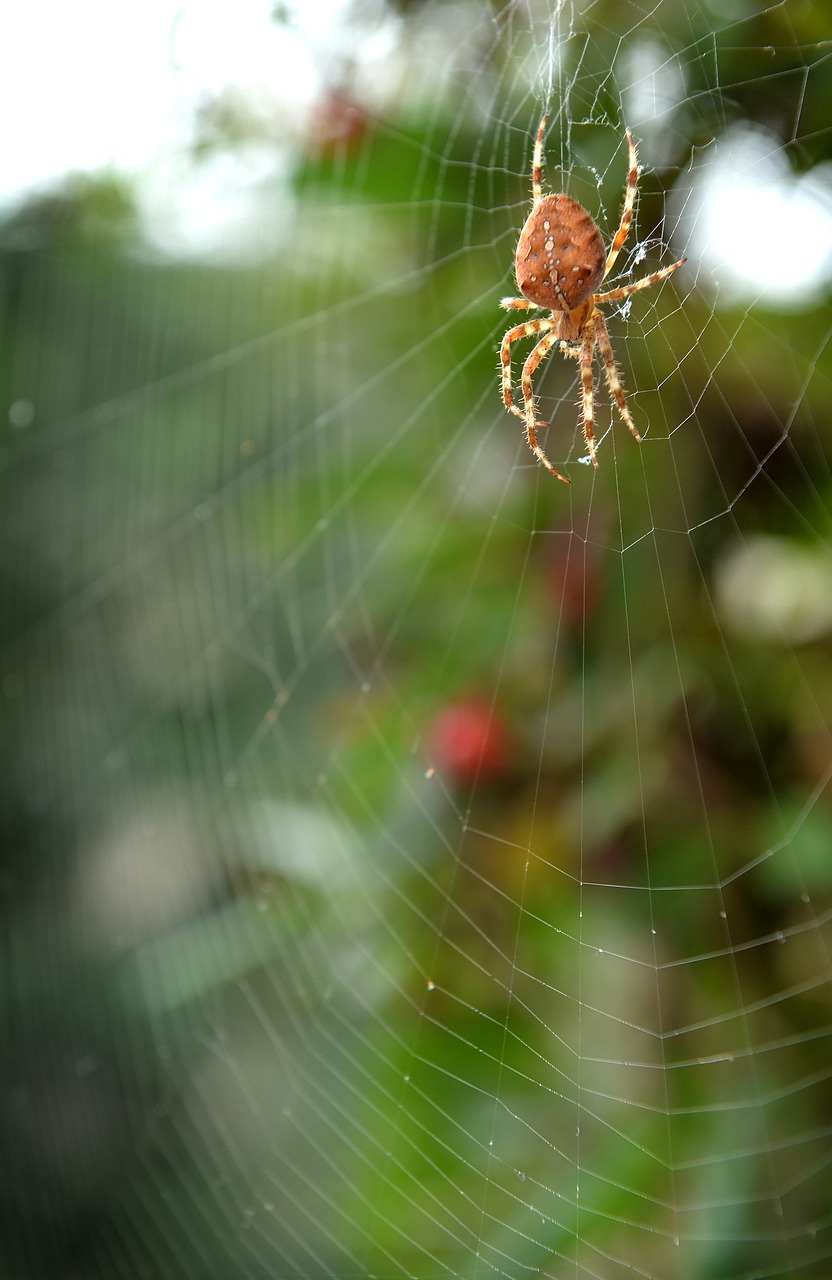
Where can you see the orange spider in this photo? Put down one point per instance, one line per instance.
(560, 261)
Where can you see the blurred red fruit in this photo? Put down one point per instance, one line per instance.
(469, 740)
(336, 120)
(574, 580)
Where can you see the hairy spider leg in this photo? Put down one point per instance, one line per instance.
(537, 163)
(585, 356)
(538, 352)
(624, 292)
(519, 331)
(627, 211)
(517, 304)
(602, 338)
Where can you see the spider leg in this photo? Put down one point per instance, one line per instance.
(537, 162)
(519, 331)
(585, 357)
(615, 294)
(538, 352)
(517, 304)
(602, 337)
(627, 211)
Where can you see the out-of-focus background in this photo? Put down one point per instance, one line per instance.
(412, 867)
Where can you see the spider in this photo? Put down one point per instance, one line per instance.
(560, 261)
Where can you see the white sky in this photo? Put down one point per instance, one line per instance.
(760, 231)
(97, 83)
(76, 105)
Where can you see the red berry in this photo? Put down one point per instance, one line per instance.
(574, 578)
(469, 740)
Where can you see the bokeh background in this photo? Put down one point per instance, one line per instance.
(412, 866)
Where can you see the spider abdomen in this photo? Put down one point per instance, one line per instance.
(560, 257)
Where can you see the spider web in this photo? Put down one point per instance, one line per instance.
(417, 867)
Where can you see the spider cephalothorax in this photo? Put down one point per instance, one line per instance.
(560, 262)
